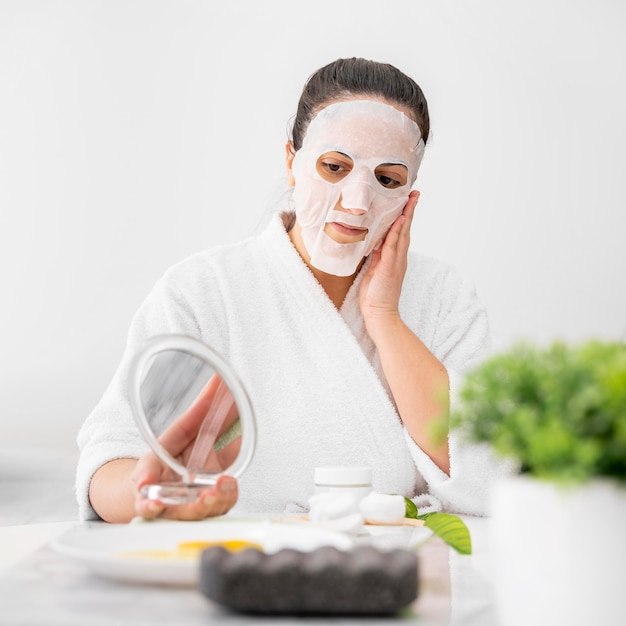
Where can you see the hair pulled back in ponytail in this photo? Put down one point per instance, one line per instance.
(346, 78)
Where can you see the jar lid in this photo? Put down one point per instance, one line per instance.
(343, 475)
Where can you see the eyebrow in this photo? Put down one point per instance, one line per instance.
(400, 164)
(380, 165)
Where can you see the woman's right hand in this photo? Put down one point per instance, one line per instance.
(212, 501)
(115, 488)
(212, 413)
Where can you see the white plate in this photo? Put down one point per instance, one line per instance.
(101, 547)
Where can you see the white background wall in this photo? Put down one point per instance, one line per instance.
(126, 125)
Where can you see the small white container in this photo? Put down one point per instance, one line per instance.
(356, 481)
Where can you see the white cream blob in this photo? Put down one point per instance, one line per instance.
(371, 134)
(382, 508)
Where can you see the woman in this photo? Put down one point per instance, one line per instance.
(347, 342)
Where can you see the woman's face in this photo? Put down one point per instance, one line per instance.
(352, 178)
(335, 166)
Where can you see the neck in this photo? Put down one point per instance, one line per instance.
(336, 287)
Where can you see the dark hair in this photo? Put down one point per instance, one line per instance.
(352, 77)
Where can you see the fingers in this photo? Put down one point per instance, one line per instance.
(406, 218)
(148, 470)
(211, 502)
(411, 203)
(148, 509)
(184, 428)
(400, 231)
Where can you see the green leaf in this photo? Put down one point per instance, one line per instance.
(410, 508)
(451, 529)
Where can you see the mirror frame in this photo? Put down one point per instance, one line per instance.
(138, 368)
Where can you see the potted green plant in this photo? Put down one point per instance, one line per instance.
(559, 526)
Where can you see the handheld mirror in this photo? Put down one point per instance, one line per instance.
(174, 378)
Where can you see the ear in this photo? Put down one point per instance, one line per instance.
(289, 154)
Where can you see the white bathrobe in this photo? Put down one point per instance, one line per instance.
(311, 371)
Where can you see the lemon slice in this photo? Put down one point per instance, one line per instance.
(232, 545)
(189, 550)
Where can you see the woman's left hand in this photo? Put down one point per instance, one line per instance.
(379, 294)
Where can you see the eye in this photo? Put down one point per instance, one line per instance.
(391, 175)
(387, 181)
(333, 166)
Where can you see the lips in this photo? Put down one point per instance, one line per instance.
(350, 231)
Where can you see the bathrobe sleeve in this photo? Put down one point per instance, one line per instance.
(459, 337)
(109, 432)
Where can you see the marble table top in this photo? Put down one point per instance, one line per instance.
(41, 587)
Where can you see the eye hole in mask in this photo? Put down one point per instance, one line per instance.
(335, 166)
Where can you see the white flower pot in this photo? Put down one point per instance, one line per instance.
(559, 555)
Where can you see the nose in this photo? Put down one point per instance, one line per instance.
(357, 198)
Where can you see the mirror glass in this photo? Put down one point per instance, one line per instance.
(178, 380)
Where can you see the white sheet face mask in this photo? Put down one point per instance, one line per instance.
(371, 134)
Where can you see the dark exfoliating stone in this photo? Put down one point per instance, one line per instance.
(362, 581)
